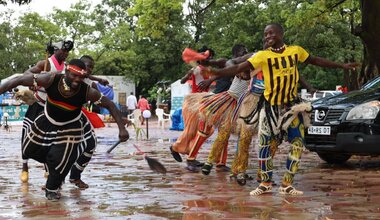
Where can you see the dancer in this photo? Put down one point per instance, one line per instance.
(280, 111)
(55, 63)
(191, 120)
(203, 113)
(58, 136)
(82, 162)
(218, 110)
(249, 106)
(247, 103)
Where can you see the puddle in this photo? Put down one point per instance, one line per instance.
(122, 186)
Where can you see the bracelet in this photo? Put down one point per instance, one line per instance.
(35, 81)
(99, 100)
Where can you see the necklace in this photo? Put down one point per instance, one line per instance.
(278, 49)
(65, 86)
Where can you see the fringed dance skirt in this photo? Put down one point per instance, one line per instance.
(217, 109)
(191, 118)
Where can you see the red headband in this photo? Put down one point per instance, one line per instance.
(76, 70)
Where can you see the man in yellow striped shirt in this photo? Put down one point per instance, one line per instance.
(279, 66)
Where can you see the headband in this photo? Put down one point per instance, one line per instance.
(76, 70)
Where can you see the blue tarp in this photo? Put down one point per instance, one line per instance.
(108, 92)
(177, 120)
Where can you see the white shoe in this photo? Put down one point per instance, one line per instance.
(289, 190)
(261, 189)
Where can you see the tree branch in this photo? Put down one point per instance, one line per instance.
(331, 7)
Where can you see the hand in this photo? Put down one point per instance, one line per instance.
(313, 90)
(204, 62)
(244, 75)
(104, 82)
(212, 71)
(204, 85)
(123, 135)
(350, 66)
(126, 121)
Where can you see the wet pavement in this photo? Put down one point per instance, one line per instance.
(123, 187)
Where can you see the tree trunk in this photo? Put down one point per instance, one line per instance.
(369, 32)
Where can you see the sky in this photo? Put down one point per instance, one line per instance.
(43, 7)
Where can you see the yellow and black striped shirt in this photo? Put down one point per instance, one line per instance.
(280, 73)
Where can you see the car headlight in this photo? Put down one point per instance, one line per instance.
(368, 110)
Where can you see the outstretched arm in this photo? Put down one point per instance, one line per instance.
(307, 85)
(241, 59)
(220, 63)
(97, 98)
(232, 70)
(205, 84)
(319, 61)
(43, 80)
(102, 81)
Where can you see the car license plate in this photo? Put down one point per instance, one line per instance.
(319, 130)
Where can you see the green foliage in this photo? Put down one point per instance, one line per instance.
(5, 53)
(77, 25)
(156, 16)
(233, 27)
(20, 2)
(330, 38)
(143, 39)
(25, 43)
(153, 92)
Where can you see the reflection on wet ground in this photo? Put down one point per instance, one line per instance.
(123, 187)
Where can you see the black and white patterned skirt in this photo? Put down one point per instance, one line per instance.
(57, 145)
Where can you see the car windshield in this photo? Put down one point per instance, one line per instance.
(375, 83)
(318, 95)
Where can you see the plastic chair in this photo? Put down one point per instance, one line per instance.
(134, 117)
(136, 123)
(162, 117)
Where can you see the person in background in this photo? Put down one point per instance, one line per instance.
(131, 103)
(143, 105)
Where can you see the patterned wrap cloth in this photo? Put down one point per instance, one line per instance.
(218, 110)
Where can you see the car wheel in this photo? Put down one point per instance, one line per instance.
(333, 158)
